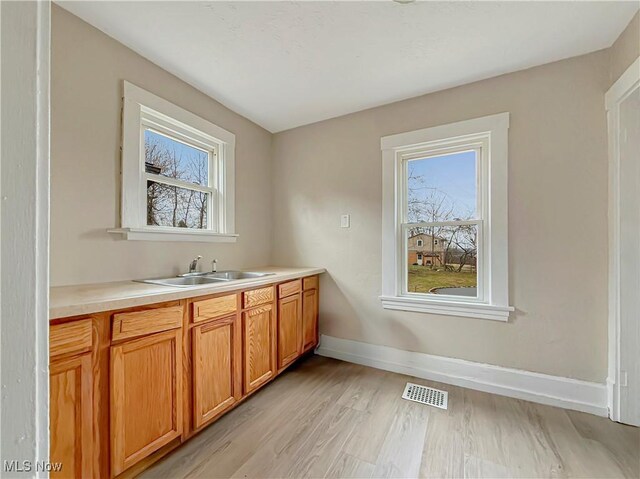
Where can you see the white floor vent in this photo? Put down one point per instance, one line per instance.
(425, 395)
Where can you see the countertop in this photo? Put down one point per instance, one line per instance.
(65, 301)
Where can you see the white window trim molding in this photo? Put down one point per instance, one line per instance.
(137, 105)
(170, 234)
(495, 304)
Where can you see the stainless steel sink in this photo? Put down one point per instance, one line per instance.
(195, 279)
(183, 281)
(231, 275)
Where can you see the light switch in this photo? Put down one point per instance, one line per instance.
(345, 221)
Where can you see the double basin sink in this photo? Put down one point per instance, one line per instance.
(195, 279)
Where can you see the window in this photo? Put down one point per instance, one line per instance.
(177, 173)
(420, 242)
(441, 199)
(448, 183)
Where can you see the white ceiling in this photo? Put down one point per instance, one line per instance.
(286, 64)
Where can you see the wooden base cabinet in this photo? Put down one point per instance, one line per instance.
(146, 397)
(258, 326)
(71, 398)
(297, 319)
(309, 319)
(71, 421)
(289, 330)
(217, 368)
(128, 386)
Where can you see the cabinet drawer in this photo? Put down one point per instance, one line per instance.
(215, 307)
(287, 289)
(74, 337)
(310, 283)
(139, 323)
(257, 296)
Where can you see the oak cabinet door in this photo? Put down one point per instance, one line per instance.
(71, 422)
(309, 319)
(289, 329)
(258, 327)
(146, 397)
(217, 368)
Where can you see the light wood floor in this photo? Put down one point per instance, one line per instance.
(327, 418)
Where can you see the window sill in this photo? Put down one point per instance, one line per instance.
(464, 309)
(153, 234)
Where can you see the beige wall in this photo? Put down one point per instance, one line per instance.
(292, 188)
(625, 49)
(557, 219)
(86, 80)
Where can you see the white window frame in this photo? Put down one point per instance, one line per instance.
(488, 134)
(143, 110)
(419, 243)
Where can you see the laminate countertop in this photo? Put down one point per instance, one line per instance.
(66, 301)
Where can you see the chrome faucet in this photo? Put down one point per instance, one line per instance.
(193, 266)
(214, 266)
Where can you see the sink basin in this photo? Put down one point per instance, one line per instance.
(195, 279)
(231, 275)
(184, 281)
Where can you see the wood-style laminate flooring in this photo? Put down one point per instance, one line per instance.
(328, 418)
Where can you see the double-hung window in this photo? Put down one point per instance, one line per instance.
(447, 186)
(177, 173)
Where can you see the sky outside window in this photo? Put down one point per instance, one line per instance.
(442, 188)
(176, 159)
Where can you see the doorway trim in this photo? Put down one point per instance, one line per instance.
(618, 92)
(25, 31)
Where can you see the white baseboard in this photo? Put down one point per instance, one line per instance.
(541, 388)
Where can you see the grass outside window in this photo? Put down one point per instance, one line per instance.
(423, 278)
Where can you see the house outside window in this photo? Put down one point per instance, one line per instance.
(445, 192)
(177, 173)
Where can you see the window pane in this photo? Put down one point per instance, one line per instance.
(172, 206)
(174, 159)
(446, 263)
(442, 188)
